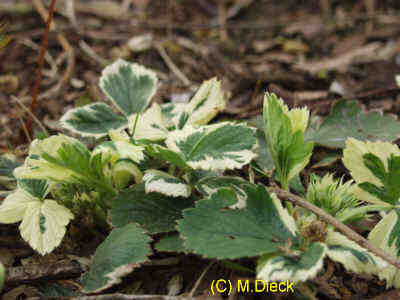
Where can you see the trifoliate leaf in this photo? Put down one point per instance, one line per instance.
(43, 221)
(284, 131)
(385, 236)
(211, 184)
(171, 243)
(129, 86)
(353, 257)
(161, 182)
(92, 120)
(154, 211)
(375, 167)
(300, 267)
(214, 147)
(347, 120)
(215, 232)
(123, 250)
(150, 125)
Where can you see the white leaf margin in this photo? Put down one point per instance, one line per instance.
(161, 182)
(138, 70)
(212, 163)
(273, 269)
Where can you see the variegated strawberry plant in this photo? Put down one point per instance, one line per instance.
(161, 169)
(149, 165)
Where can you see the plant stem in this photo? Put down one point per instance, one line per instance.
(345, 230)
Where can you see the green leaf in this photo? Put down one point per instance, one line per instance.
(347, 120)
(211, 184)
(215, 232)
(164, 154)
(214, 147)
(284, 131)
(129, 86)
(92, 120)
(171, 243)
(153, 211)
(301, 267)
(123, 250)
(263, 159)
(161, 182)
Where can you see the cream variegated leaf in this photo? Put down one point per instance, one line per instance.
(119, 136)
(36, 167)
(214, 147)
(120, 150)
(386, 236)
(44, 225)
(149, 125)
(129, 86)
(161, 182)
(13, 207)
(43, 221)
(92, 120)
(211, 184)
(171, 113)
(50, 145)
(353, 257)
(353, 159)
(208, 101)
(281, 268)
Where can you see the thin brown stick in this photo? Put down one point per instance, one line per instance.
(40, 66)
(351, 234)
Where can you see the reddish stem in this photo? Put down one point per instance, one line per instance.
(38, 79)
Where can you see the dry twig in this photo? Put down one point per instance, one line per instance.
(171, 65)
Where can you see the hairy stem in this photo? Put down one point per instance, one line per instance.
(345, 230)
